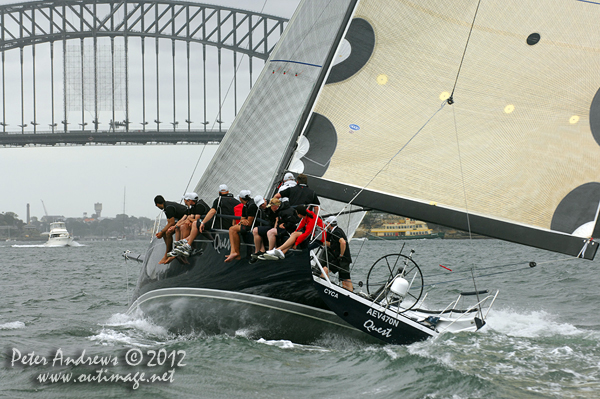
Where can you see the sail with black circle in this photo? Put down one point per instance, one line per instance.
(514, 154)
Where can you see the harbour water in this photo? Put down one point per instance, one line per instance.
(541, 339)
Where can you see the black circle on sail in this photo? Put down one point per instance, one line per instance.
(534, 38)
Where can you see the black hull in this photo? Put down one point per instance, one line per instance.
(289, 279)
(393, 328)
(265, 299)
(186, 310)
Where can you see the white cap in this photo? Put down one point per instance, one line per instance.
(288, 176)
(259, 200)
(244, 194)
(190, 196)
(331, 220)
(223, 188)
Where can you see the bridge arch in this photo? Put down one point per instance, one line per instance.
(28, 23)
(53, 25)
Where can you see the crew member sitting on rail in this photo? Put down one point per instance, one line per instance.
(196, 208)
(310, 226)
(288, 181)
(224, 204)
(173, 212)
(242, 227)
(260, 233)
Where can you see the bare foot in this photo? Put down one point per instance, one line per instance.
(169, 259)
(163, 260)
(232, 257)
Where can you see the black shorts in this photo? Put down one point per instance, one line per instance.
(340, 266)
(246, 233)
(262, 231)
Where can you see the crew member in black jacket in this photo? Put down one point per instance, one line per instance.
(173, 212)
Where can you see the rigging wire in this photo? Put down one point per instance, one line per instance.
(451, 101)
(462, 176)
(451, 98)
(220, 108)
(397, 153)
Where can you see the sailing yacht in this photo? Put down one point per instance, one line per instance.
(476, 115)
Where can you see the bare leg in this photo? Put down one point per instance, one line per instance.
(185, 230)
(290, 241)
(272, 236)
(169, 244)
(258, 242)
(193, 234)
(234, 239)
(347, 284)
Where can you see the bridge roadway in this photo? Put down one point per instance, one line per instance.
(110, 137)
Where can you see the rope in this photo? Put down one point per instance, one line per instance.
(462, 176)
(529, 266)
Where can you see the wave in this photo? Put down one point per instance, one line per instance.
(73, 244)
(136, 321)
(528, 325)
(15, 325)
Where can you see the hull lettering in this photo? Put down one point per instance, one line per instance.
(383, 317)
(221, 243)
(331, 293)
(371, 327)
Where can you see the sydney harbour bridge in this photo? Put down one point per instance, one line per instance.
(76, 72)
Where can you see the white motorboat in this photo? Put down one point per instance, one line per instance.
(58, 235)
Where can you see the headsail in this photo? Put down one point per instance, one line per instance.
(259, 142)
(516, 156)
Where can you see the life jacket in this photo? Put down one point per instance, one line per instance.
(237, 211)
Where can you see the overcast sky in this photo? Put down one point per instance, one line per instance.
(70, 180)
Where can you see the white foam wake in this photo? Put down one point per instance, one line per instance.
(528, 325)
(15, 325)
(129, 330)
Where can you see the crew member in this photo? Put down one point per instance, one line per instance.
(310, 226)
(338, 253)
(301, 194)
(173, 212)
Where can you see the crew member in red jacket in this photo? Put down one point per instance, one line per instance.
(310, 226)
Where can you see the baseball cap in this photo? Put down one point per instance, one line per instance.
(244, 194)
(190, 196)
(223, 188)
(288, 176)
(259, 200)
